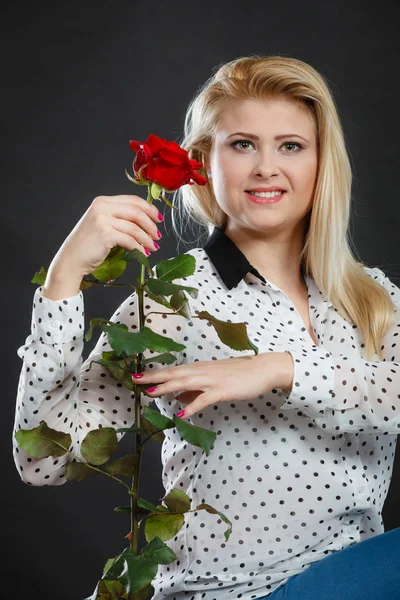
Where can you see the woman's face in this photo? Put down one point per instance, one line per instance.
(278, 157)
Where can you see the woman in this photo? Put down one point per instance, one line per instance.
(306, 430)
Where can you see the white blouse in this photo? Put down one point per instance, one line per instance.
(300, 475)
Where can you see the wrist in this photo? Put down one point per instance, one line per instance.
(286, 372)
(61, 283)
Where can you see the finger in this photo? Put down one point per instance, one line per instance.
(164, 374)
(134, 231)
(133, 200)
(131, 213)
(200, 403)
(178, 385)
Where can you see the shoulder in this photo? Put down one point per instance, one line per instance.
(386, 282)
(375, 273)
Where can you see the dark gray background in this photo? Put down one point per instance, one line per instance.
(79, 80)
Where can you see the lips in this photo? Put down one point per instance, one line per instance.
(263, 199)
(264, 190)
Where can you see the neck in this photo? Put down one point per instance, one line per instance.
(277, 260)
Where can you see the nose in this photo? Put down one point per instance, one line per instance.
(265, 167)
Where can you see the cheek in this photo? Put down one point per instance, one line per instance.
(306, 175)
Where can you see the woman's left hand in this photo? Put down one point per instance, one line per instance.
(226, 380)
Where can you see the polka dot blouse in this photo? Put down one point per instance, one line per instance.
(300, 474)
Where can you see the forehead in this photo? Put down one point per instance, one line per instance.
(266, 117)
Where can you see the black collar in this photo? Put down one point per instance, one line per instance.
(230, 262)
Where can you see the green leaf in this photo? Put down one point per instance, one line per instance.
(115, 588)
(123, 466)
(157, 419)
(177, 267)
(198, 436)
(117, 370)
(126, 509)
(180, 303)
(139, 256)
(166, 358)
(151, 507)
(159, 299)
(119, 364)
(98, 321)
(144, 594)
(40, 276)
(99, 445)
(165, 526)
(157, 436)
(159, 552)
(135, 572)
(42, 441)
(214, 511)
(134, 342)
(79, 471)
(233, 335)
(177, 501)
(113, 266)
(86, 284)
(166, 289)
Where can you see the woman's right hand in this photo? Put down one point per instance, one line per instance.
(128, 221)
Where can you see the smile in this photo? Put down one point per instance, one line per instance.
(261, 200)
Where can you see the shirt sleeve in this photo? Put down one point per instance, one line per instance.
(58, 387)
(345, 393)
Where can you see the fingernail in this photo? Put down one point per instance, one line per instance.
(180, 413)
(159, 234)
(148, 252)
(156, 245)
(160, 216)
(137, 375)
(152, 388)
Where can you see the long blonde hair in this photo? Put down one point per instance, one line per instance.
(326, 255)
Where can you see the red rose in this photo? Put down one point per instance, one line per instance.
(165, 163)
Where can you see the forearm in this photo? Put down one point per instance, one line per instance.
(279, 369)
(285, 372)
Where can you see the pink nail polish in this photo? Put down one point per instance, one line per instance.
(160, 217)
(180, 413)
(151, 389)
(157, 246)
(137, 375)
(148, 252)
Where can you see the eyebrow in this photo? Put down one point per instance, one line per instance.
(277, 137)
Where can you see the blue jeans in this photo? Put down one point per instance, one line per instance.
(367, 570)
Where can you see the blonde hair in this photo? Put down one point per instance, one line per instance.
(326, 255)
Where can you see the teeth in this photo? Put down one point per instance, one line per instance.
(266, 194)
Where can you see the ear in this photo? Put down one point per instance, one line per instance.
(206, 163)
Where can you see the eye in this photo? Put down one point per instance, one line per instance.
(299, 146)
(241, 142)
(293, 144)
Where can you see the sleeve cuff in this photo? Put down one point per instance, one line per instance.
(57, 321)
(313, 381)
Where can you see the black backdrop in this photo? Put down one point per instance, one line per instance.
(79, 80)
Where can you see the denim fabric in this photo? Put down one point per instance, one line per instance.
(367, 570)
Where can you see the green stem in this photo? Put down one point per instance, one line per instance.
(136, 475)
(112, 284)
